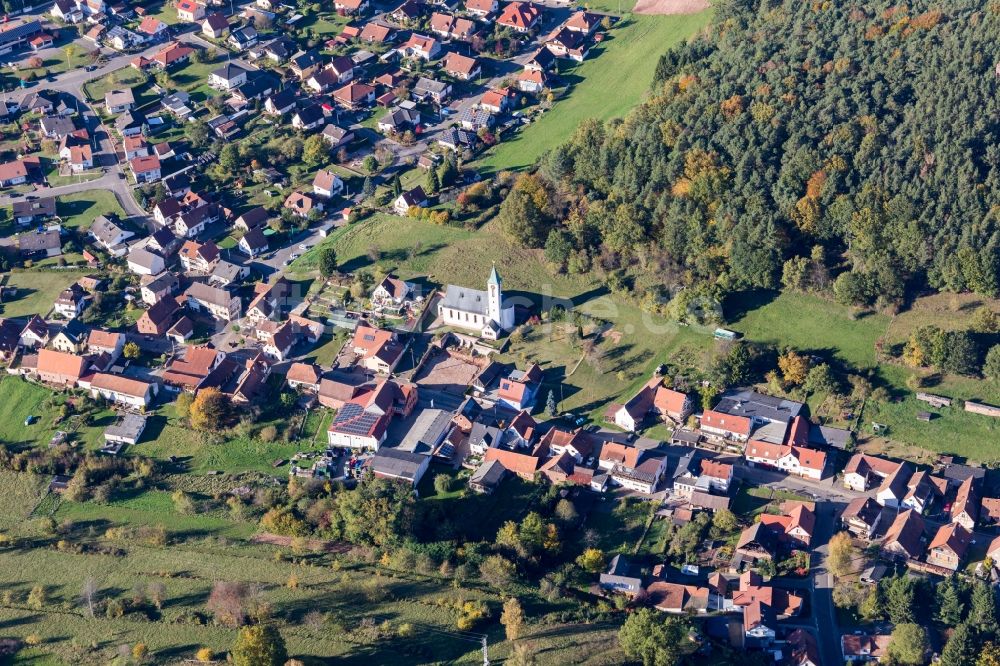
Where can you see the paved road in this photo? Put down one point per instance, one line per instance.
(824, 618)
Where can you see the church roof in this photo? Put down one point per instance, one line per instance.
(464, 299)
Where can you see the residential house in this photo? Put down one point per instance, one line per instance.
(117, 101)
(378, 350)
(157, 286)
(864, 647)
(189, 10)
(422, 47)
(66, 11)
(70, 302)
(632, 468)
(254, 218)
(105, 342)
(391, 293)
(904, 536)
(145, 262)
(243, 37)
(566, 43)
(519, 389)
(281, 102)
(71, 338)
(923, 489)
(308, 118)
(135, 146)
(482, 8)
(301, 204)
(227, 77)
(487, 477)
(461, 67)
(448, 26)
(399, 465)
(619, 577)
(409, 199)
(948, 547)
(327, 184)
(399, 120)
(583, 22)
(110, 235)
(375, 33)
(219, 303)
(500, 100)
(795, 525)
(965, 508)
(31, 210)
(350, 7)
(306, 376)
(126, 391)
(158, 318)
(60, 368)
(725, 426)
(520, 16)
(153, 28)
(199, 257)
(278, 344)
(215, 25)
(253, 243)
(35, 333)
(304, 63)
(13, 173)
(39, 244)
(145, 169)
(430, 89)
(788, 458)
(362, 421)
(355, 96)
(861, 517)
(336, 136)
(532, 81)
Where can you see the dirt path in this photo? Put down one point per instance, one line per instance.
(312, 544)
(664, 7)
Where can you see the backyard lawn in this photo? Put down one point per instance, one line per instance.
(37, 290)
(80, 209)
(611, 81)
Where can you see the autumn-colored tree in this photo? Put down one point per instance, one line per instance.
(591, 560)
(261, 645)
(840, 559)
(210, 410)
(131, 350)
(794, 367)
(512, 618)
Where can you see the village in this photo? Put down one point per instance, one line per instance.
(181, 289)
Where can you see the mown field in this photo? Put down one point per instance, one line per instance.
(37, 290)
(612, 79)
(80, 209)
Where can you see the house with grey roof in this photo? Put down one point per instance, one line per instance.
(399, 465)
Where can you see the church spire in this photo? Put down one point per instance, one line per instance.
(494, 276)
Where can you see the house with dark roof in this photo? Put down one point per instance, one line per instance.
(399, 465)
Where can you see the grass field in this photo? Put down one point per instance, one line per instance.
(828, 330)
(127, 77)
(37, 290)
(611, 81)
(80, 209)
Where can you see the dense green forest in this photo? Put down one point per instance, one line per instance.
(849, 146)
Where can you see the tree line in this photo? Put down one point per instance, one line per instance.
(837, 146)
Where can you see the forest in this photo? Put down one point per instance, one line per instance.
(840, 146)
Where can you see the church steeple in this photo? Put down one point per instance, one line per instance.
(494, 296)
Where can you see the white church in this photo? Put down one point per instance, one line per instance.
(481, 311)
